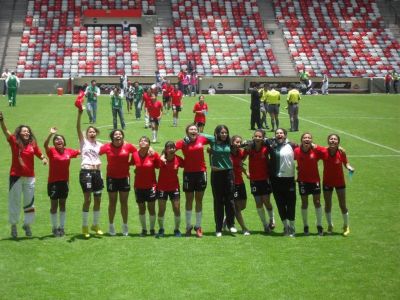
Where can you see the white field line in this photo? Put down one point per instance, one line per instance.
(373, 156)
(340, 131)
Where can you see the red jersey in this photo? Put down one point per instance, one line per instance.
(181, 75)
(168, 175)
(24, 153)
(199, 109)
(146, 100)
(237, 163)
(117, 159)
(155, 109)
(258, 164)
(177, 98)
(145, 170)
(59, 163)
(194, 154)
(333, 170)
(167, 89)
(307, 164)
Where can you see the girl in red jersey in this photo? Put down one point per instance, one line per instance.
(168, 186)
(146, 102)
(307, 156)
(145, 183)
(333, 178)
(177, 96)
(259, 178)
(200, 110)
(194, 175)
(239, 196)
(22, 175)
(167, 90)
(118, 154)
(155, 109)
(58, 187)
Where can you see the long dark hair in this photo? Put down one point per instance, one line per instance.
(217, 134)
(20, 142)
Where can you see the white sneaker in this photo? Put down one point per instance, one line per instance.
(233, 230)
(111, 230)
(218, 234)
(246, 233)
(154, 141)
(125, 230)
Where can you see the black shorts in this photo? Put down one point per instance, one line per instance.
(172, 195)
(166, 99)
(194, 181)
(330, 188)
(91, 181)
(240, 192)
(308, 188)
(130, 100)
(155, 121)
(176, 107)
(146, 195)
(58, 190)
(260, 187)
(118, 184)
(200, 124)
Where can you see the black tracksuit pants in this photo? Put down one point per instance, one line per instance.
(284, 190)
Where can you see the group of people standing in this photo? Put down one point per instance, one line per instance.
(271, 170)
(391, 81)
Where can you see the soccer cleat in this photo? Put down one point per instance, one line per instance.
(330, 229)
(246, 233)
(346, 230)
(177, 233)
(85, 231)
(55, 232)
(28, 231)
(111, 230)
(292, 231)
(272, 224)
(61, 231)
(267, 229)
(199, 232)
(188, 231)
(125, 230)
(96, 229)
(14, 232)
(306, 230)
(160, 233)
(233, 230)
(218, 234)
(143, 233)
(152, 232)
(320, 231)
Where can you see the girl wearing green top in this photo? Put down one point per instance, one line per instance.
(116, 107)
(222, 178)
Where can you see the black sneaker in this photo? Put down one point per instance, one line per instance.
(177, 233)
(61, 231)
(306, 230)
(160, 233)
(143, 233)
(56, 232)
(152, 232)
(28, 231)
(320, 231)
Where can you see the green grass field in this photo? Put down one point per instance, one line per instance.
(364, 265)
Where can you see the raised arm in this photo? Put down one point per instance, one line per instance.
(78, 126)
(53, 130)
(6, 132)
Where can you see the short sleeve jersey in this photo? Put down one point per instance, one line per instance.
(273, 97)
(293, 96)
(145, 174)
(199, 109)
(168, 176)
(307, 164)
(146, 100)
(177, 98)
(194, 154)
(155, 109)
(333, 168)
(237, 162)
(117, 159)
(22, 163)
(258, 164)
(59, 163)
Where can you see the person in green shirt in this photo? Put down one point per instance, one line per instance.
(138, 99)
(293, 99)
(222, 182)
(92, 92)
(12, 82)
(116, 107)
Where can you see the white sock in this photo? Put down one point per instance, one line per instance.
(198, 218)
(85, 218)
(96, 217)
(188, 219)
(291, 223)
(53, 218)
(142, 219)
(304, 214)
(161, 222)
(318, 213)
(329, 218)
(261, 213)
(154, 134)
(174, 121)
(271, 215)
(346, 219)
(62, 219)
(152, 219)
(177, 222)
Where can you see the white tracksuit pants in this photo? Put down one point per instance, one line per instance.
(26, 187)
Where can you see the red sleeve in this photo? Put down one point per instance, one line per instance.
(179, 145)
(74, 153)
(37, 151)
(49, 152)
(344, 158)
(156, 160)
(103, 149)
(181, 162)
(195, 108)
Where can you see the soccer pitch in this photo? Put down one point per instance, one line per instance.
(364, 265)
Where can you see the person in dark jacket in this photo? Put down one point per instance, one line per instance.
(255, 108)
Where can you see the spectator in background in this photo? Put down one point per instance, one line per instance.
(13, 84)
(186, 83)
(388, 82)
(159, 80)
(92, 91)
(325, 85)
(293, 99)
(129, 94)
(395, 77)
(190, 67)
(274, 102)
(138, 99)
(194, 82)
(263, 105)
(181, 75)
(116, 107)
(125, 25)
(255, 108)
(5, 75)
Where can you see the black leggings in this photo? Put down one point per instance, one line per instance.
(284, 190)
(222, 189)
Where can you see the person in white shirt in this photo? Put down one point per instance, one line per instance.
(5, 75)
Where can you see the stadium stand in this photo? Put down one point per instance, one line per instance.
(343, 38)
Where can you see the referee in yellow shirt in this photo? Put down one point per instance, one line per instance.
(274, 101)
(293, 99)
